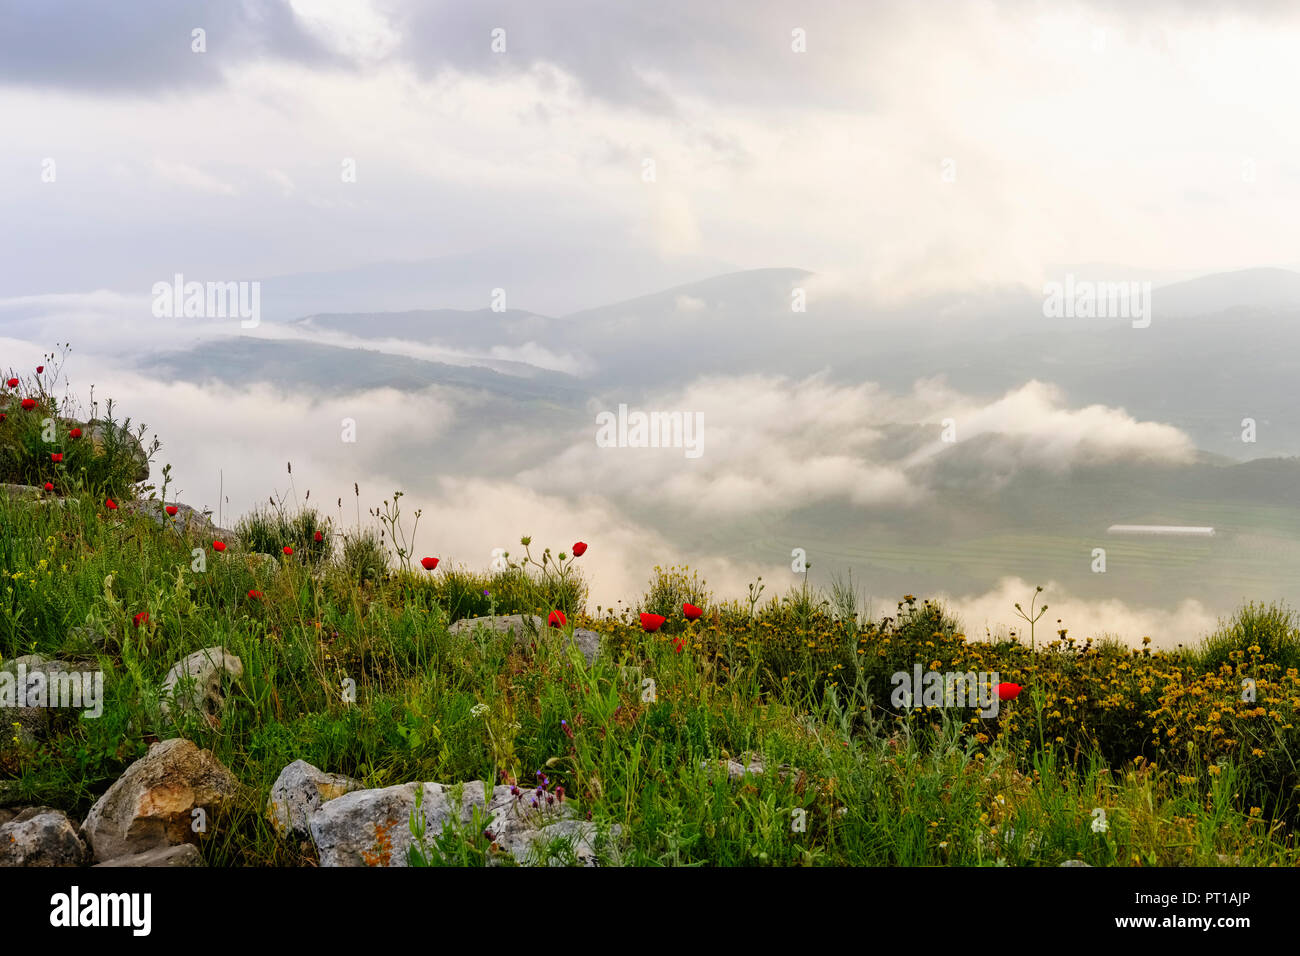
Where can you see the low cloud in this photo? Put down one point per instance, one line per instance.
(993, 613)
(778, 444)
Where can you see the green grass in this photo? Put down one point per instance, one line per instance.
(796, 680)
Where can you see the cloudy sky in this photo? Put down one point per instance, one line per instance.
(578, 153)
(1151, 136)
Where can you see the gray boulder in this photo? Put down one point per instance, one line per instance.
(41, 836)
(373, 827)
(299, 791)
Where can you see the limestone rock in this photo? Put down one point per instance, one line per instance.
(41, 836)
(186, 854)
(299, 791)
(194, 683)
(151, 805)
(372, 827)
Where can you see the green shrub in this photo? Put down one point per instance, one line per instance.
(672, 587)
(364, 556)
(1273, 628)
(269, 530)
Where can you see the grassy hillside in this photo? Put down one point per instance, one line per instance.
(1106, 755)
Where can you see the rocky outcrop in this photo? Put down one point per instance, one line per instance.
(41, 836)
(188, 521)
(527, 629)
(194, 683)
(152, 805)
(299, 791)
(373, 827)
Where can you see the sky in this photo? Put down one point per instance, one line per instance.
(886, 156)
(578, 153)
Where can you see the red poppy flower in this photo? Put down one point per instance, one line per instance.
(691, 611)
(255, 594)
(12, 383)
(74, 433)
(287, 549)
(56, 456)
(141, 618)
(218, 546)
(3, 416)
(49, 486)
(652, 622)
(28, 404)
(111, 504)
(579, 549)
(171, 510)
(428, 563)
(318, 537)
(678, 643)
(556, 619)
(1008, 691)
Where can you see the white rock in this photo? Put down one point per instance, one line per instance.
(195, 682)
